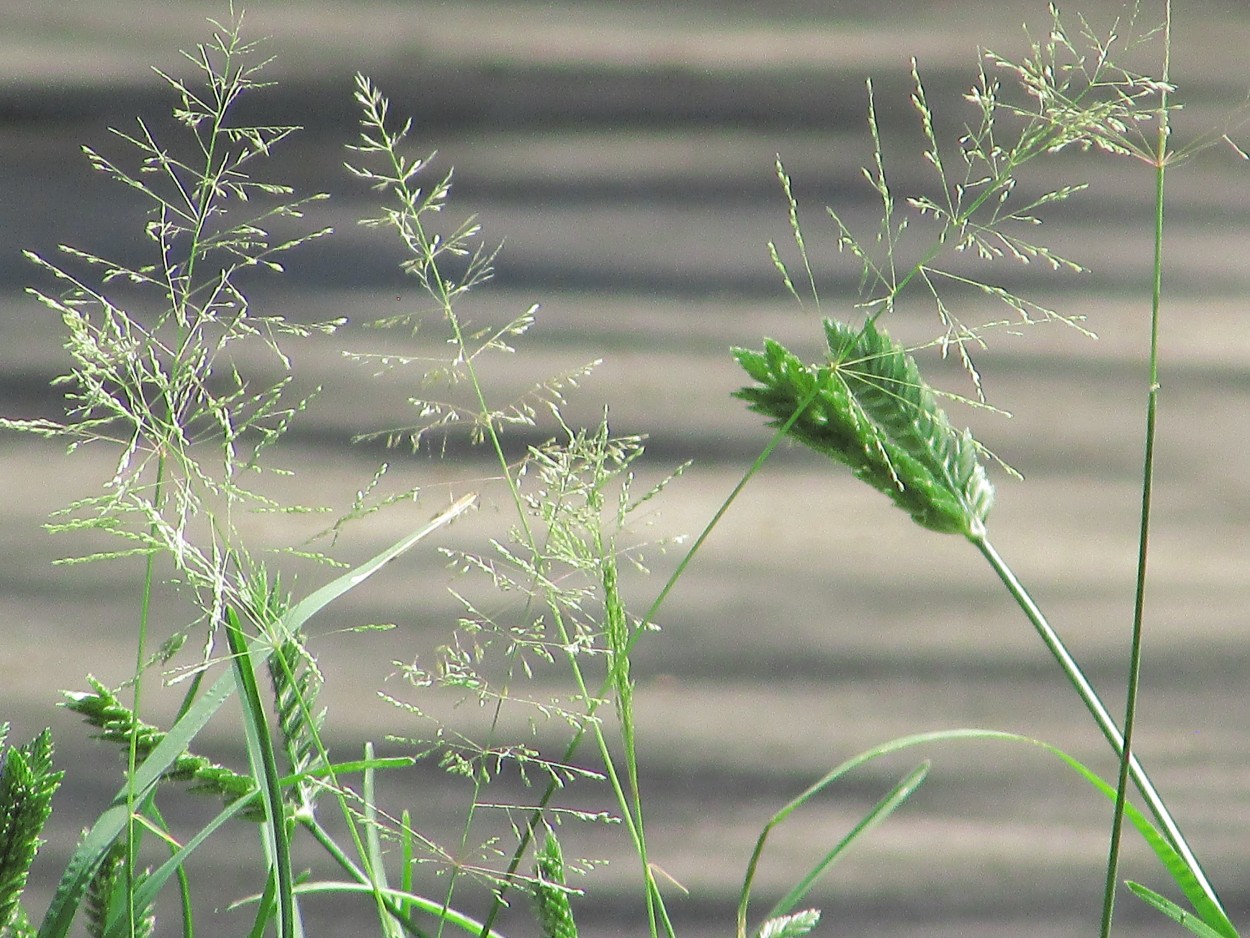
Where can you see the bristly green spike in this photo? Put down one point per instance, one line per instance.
(868, 407)
(555, 913)
(27, 783)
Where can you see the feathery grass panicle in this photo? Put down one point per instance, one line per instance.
(446, 265)
(553, 564)
(1068, 92)
(165, 390)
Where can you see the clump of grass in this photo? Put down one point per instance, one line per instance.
(157, 376)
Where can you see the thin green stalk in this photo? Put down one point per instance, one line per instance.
(655, 900)
(1106, 723)
(444, 295)
(1143, 541)
(178, 302)
(184, 882)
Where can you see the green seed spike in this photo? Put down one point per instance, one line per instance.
(555, 914)
(867, 407)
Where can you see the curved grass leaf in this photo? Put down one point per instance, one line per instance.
(883, 809)
(1209, 912)
(891, 802)
(435, 907)
(1205, 904)
(869, 408)
(265, 766)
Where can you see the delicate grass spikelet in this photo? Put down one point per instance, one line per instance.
(870, 409)
(27, 784)
(555, 914)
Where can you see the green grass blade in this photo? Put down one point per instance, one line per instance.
(307, 607)
(435, 907)
(265, 765)
(373, 849)
(408, 856)
(1173, 911)
(881, 810)
(1209, 911)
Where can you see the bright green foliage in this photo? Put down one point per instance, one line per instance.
(870, 409)
(555, 914)
(27, 784)
(116, 722)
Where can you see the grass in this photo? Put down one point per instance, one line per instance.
(547, 630)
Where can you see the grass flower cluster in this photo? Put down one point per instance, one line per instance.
(162, 374)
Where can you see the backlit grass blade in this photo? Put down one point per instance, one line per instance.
(1209, 912)
(265, 764)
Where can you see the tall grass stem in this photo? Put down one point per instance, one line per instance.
(1106, 723)
(1147, 488)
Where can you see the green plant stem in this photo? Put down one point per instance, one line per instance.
(443, 292)
(1106, 724)
(1147, 488)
